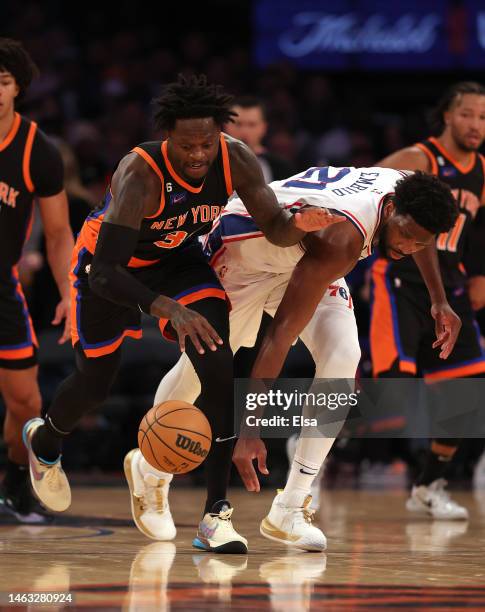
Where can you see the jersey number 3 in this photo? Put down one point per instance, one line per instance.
(172, 240)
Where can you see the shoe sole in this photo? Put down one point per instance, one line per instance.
(235, 547)
(131, 485)
(295, 544)
(425, 512)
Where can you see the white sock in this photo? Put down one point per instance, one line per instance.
(309, 457)
(145, 468)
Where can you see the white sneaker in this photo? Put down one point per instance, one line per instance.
(317, 482)
(434, 501)
(292, 525)
(49, 480)
(216, 532)
(149, 499)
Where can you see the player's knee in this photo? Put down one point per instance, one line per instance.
(341, 363)
(23, 404)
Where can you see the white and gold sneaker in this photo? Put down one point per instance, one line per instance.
(217, 534)
(49, 481)
(290, 523)
(149, 498)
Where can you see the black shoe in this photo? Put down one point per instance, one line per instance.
(23, 506)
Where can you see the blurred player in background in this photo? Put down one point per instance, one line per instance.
(304, 289)
(30, 168)
(401, 345)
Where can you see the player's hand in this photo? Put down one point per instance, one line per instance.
(187, 322)
(245, 451)
(468, 200)
(313, 218)
(63, 311)
(447, 328)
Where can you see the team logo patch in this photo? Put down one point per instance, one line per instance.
(449, 171)
(178, 198)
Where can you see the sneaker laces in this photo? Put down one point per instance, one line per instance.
(224, 516)
(154, 498)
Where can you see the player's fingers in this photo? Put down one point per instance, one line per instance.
(211, 332)
(58, 315)
(247, 472)
(67, 332)
(195, 341)
(261, 457)
(181, 336)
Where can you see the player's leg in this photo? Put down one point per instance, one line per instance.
(98, 330)
(21, 396)
(428, 495)
(84, 390)
(182, 382)
(332, 339)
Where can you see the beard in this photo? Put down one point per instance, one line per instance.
(382, 243)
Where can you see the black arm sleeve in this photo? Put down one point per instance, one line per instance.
(46, 167)
(108, 276)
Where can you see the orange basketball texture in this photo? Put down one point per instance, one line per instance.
(174, 437)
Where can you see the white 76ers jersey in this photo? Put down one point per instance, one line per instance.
(356, 193)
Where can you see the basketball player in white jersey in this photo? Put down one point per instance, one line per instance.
(303, 288)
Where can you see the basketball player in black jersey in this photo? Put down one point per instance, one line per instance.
(140, 252)
(400, 339)
(30, 168)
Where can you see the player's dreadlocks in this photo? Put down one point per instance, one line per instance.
(427, 200)
(15, 59)
(449, 98)
(191, 97)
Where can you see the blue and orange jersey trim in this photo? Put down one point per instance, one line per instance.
(385, 341)
(97, 349)
(22, 350)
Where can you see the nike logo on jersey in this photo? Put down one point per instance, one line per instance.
(8, 195)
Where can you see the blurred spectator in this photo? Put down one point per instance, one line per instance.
(251, 127)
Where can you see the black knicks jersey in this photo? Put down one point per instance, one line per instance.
(30, 166)
(451, 245)
(185, 211)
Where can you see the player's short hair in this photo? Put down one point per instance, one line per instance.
(427, 200)
(250, 102)
(15, 59)
(449, 98)
(191, 97)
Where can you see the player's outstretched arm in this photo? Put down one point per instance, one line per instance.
(330, 255)
(278, 225)
(136, 194)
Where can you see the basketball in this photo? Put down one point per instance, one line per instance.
(174, 437)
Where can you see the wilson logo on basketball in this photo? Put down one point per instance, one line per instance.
(187, 444)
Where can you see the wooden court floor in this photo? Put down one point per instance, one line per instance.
(377, 558)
